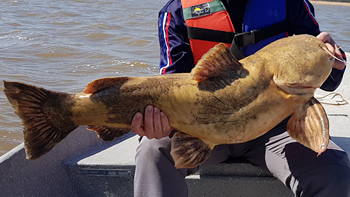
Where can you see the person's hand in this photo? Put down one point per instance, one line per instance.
(156, 123)
(333, 48)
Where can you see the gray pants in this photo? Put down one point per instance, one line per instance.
(292, 163)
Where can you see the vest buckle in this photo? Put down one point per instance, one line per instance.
(246, 38)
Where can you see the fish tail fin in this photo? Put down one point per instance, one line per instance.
(45, 115)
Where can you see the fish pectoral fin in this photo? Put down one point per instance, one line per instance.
(188, 151)
(107, 133)
(310, 126)
(218, 61)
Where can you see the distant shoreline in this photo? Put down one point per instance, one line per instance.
(331, 3)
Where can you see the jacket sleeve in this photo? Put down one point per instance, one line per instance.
(301, 20)
(175, 51)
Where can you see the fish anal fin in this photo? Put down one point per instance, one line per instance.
(310, 126)
(218, 61)
(104, 83)
(188, 151)
(108, 133)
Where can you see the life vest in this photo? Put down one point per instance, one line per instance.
(208, 23)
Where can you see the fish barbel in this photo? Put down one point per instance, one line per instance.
(222, 101)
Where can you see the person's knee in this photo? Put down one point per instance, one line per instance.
(338, 181)
(329, 180)
(152, 151)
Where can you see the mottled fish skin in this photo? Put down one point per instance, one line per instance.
(221, 101)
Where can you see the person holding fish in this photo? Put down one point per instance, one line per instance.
(188, 29)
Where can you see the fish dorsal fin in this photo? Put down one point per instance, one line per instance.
(310, 127)
(218, 61)
(104, 83)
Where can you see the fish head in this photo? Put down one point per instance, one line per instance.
(301, 64)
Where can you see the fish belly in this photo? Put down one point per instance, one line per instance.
(236, 120)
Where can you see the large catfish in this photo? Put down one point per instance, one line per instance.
(222, 101)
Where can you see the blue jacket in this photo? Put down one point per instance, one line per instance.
(175, 51)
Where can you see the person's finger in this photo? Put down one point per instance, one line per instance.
(136, 124)
(157, 125)
(330, 48)
(166, 128)
(148, 122)
(325, 37)
(340, 65)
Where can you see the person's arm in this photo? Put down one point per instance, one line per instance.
(175, 51)
(175, 57)
(301, 20)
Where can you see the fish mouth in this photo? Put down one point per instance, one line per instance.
(292, 88)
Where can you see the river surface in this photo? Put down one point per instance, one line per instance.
(63, 45)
